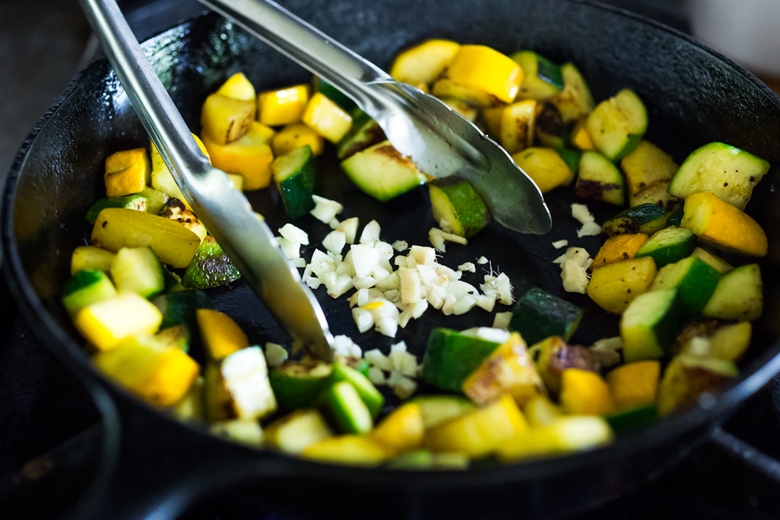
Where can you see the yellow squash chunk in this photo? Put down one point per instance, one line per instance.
(249, 156)
(242, 431)
(539, 410)
(355, 450)
(547, 169)
(491, 119)
(563, 435)
(90, 258)
(294, 136)
(295, 432)
(619, 247)
(225, 119)
(585, 393)
(238, 87)
(635, 383)
(282, 106)
(173, 243)
(687, 377)
(162, 178)
(722, 225)
(508, 370)
(480, 432)
(104, 323)
(518, 125)
(580, 137)
(424, 62)
(326, 118)
(161, 376)
(615, 285)
(480, 75)
(126, 172)
(220, 334)
(402, 429)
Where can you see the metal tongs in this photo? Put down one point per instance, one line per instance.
(418, 125)
(225, 211)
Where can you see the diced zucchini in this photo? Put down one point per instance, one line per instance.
(242, 431)
(518, 125)
(584, 392)
(716, 338)
(421, 64)
(715, 261)
(155, 199)
(575, 101)
(382, 172)
(90, 257)
(545, 167)
(402, 429)
(179, 307)
(648, 172)
(135, 201)
(738, 295)
(373, 398)
(550, 128)
(225, 119)
(342, 404)
(364, 132)
(354, 450)
(297, 384)
(126, 172)
(645, 218)
(617, 124)
(615, 285)
(649, 325)
(295, 176)
(335, 95)
(86, 287)
(450, 356)
(687, 377)
(221, 335)
(437, 409)
(563, 435)
(427, 460)
(723, 170)
(480, 75)
(175, 209)
(209, 267)
(541, 77)
(508, 370)
(723, 226)
(540, 410)
(238, 86)
(694, 279)
(481, 432)
(457, 207)
(294, 432)
(539, 314)
(104, 323)
(282, 106)
(618, 247)
(326, 118)
(245, 378)
(176, 336)
(173, 243)
(599, 179)
(553, 355)
(138, 269)
(627, 420)
(161, 376)
(668, 245)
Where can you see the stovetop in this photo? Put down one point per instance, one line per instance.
(47, 415)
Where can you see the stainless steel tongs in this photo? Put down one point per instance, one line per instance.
(225, 211)
(436, 138)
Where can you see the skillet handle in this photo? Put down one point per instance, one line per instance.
(155, 467)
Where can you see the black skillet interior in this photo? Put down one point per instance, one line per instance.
(693, 97)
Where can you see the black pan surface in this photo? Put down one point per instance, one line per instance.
(693, 96)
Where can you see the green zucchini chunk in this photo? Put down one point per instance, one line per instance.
(618, 124)
(575, 101)
(599, 179)
(437, 409)
(538, 315)
(645, 218)
(457, 207)
(633, 418)
(179, 307)
(738, 295)
(86, 287)
(668, 245)
(210, 267)
(135, 201)
(138, 269)
(694, 279)
(451, 355)
(363, 133)
(382, 172)
(297, 384)
(295, 176)
(649, 325)
(342, 405)
(726, 171)
(373, 398)
(541, 77)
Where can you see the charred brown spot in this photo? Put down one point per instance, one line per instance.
(549, 120)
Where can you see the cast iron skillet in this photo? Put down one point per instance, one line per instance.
(152, 464)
